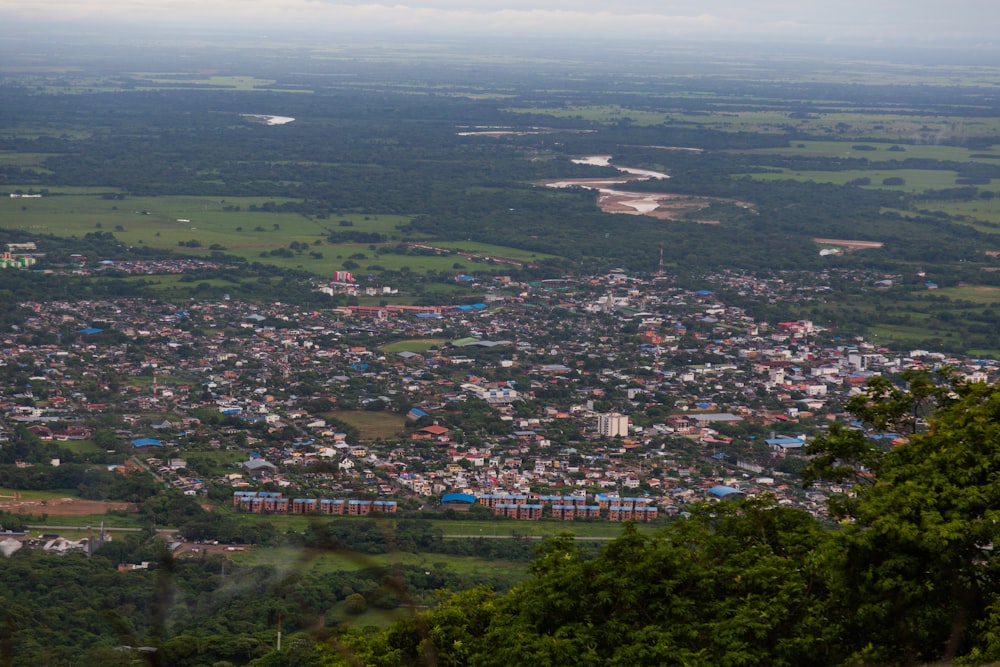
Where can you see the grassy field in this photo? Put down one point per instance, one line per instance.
(979, 295)
(55, 494)
(916, 180)
(882, 152)
(229, 82)
(373, 425)
(982, 210)
(492, 250)
(413, 345)
(174, 222)
(833, 121)
(94, 520)
(80, 446)
(15, 159)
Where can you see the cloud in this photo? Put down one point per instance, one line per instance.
(916, 20)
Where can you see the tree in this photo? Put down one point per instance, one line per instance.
(355, 604)
(919, 576)
(106, 439)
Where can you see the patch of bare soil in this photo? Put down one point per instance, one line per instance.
(662, 206)
(850, 245)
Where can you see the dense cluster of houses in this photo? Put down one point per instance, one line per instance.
(616, 384)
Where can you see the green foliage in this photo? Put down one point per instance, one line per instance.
(916, 563)
(734, 585)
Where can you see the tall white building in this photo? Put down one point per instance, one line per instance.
(611, 424)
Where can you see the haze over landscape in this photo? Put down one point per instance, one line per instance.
(965, 23)
(483, 334)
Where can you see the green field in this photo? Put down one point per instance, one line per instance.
(981, 210)
(80, 446)
(917, 180)
(882, 152)
(832, 121)
(199, 226)
(14, 159)
(95, 521)
(413, 345)
(979, 295)
(21, 494)
(489, 250)
(373, 425)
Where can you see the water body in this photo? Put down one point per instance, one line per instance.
(613, 200)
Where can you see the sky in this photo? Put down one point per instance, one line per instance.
(968, 23)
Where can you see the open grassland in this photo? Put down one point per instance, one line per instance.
(147, 81)
(155, 221)
(977, 294)
(373, 425)
(165, 221)
(51, 494)
(904, 335)
(15, 159)
(80, 446)
(28, 131)
(170, 285)
(201, 226)
(60, 190)
(53, 83)
(990, 225)
(915, 180)
(116, 519)
(218, 456)
(413, 345)
(897, 127)
(977, 210)
(882, 152)
(488, 250)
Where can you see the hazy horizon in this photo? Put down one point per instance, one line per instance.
(887, 23)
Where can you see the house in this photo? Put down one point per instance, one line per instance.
(259, 466)
(431, 432)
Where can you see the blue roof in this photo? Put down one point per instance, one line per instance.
(458, 498)
(787, 443)
(723, 491)
(90, 330)
(145, 442)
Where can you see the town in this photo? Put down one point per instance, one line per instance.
(642, 394)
